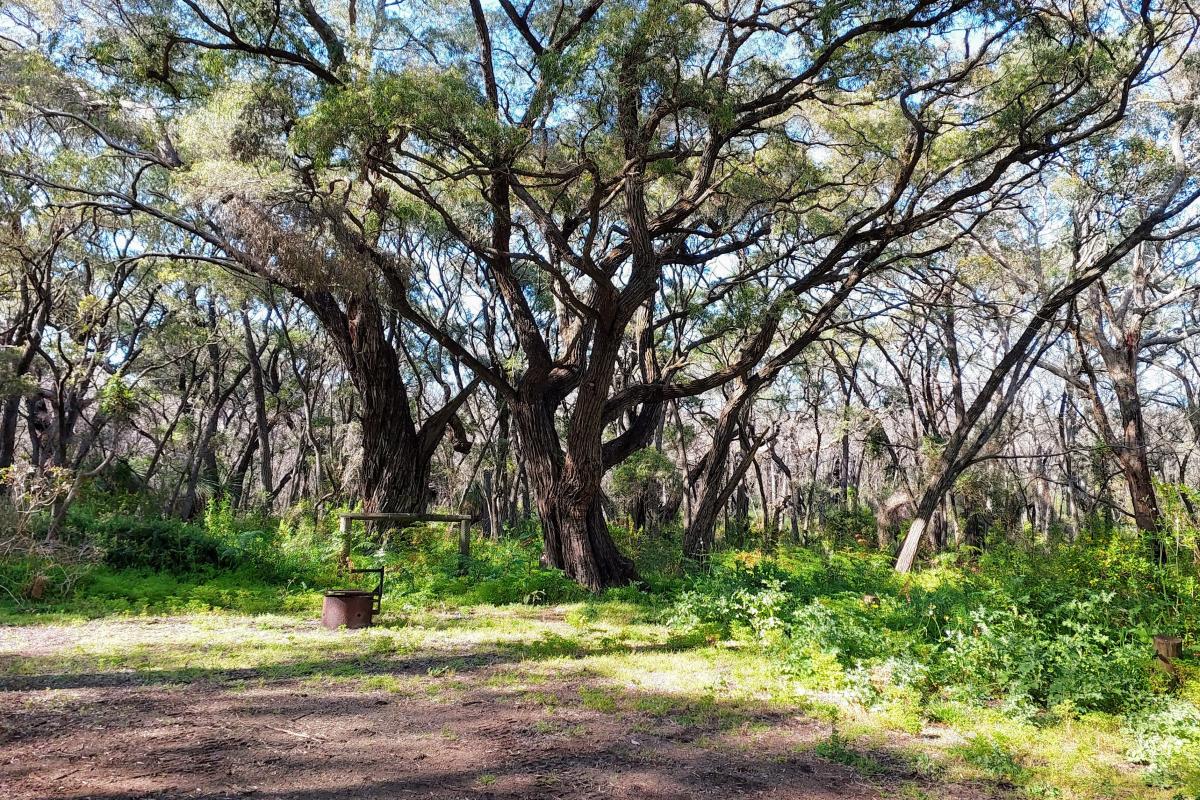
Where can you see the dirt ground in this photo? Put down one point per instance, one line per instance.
(86, 713)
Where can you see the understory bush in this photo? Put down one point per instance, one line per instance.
(157, 545)
(133, 591)
(423, 566)
(1033, 631)
(257, 547)
(1071, 653)
(32, 575)
(97, 547)
(1166, 738)
(1025, 636)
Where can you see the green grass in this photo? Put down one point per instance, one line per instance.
(1024, 669)
(710, 687)
(836, 749)
(124, 592)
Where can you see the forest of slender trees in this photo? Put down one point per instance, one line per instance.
(918, 274)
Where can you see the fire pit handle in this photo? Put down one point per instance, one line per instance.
(377, 592)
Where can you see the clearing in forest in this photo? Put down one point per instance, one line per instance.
(489, 702)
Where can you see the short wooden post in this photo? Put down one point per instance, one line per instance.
(464, 544)
(1166, 649)
(344, 524)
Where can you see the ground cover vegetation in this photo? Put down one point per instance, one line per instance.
(1024, 670)
(832, 360)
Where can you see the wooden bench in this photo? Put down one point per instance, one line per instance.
(464, 531)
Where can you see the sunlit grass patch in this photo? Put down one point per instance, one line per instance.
(598, 700)
(554, 727)
(619, 614)
(509, 678)
(617, 658)
(994, 756)
(656, 704)
(192, 648)
(548, 645)
(835, 748)
(393, 684)
(548, 700)
(1066, 757)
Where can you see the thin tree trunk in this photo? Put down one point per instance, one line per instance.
(1135, 463)
(9, 417)
(960, 448)
(698, 538)
(262, 426)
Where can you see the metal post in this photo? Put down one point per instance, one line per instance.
(464, 545)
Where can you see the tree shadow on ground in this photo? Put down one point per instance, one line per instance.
(344, 715)
(83, 670)
(576, 736)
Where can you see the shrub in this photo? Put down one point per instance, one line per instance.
(259, 547)
(994, 755)
(1033, 630)
(157, 544)
(840, 626)
(1166, 738)
(132, 591)
(42, 574)
(423, 565)
(851, 526)
(1071, 654)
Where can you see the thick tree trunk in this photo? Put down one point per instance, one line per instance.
(1146, 514)
(699, 536)
(586, 552)
(396, 454)
(394, 476)
(568, 499)
(394, 473)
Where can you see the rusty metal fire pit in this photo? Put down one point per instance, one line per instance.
(353, 608)
(350, 608)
